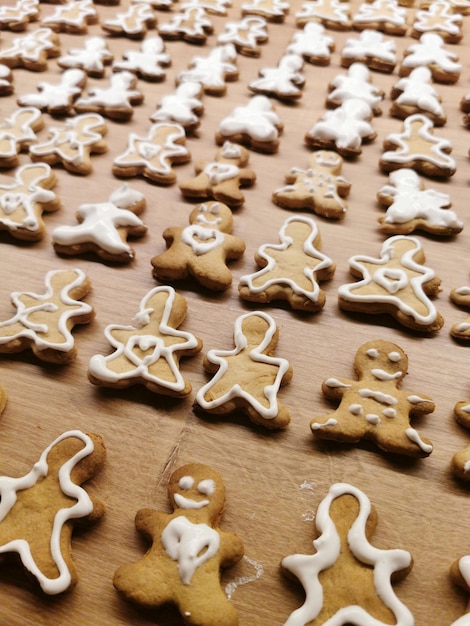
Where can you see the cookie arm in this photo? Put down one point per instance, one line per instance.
(334, 388)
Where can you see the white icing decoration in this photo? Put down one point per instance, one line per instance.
(246, 33)
(330, 422)
(378, 396)
(355, 84)
(133, 21)
(119, 95)
(370, 43)
(356, 409)
(180, 106)
(373, 353)
(335, 12)
(244, 580)
(333, 382)
(92, 57)
(383, 12)
(413, 436)
(257, 119)
(381, 374)
(148, 61)
(186, 482)
(312, 42)
(439, 16)
(414, 399)
(274, 8)
(201, 239)
(75, 13)
(16, 130)
(285, 80)
(211, 70)
(56, 96)
(190, 545)
(81, 508)
(417, 91)
(373, 419)
(389, 413)
(30, 47)
(394, 357)
(430, 51)
(191, 22)
(346, 125)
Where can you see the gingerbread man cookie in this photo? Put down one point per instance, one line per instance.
(415, 94)
(104, 227)
(202, 249)
(43, 322)
(255, 125)
(348, 580)
(148, 62)
(57, 98)
(374, 407)
(439, 18)
(246, 35)
(271, 10)
(133, 23)
(23, 201)
(396, 283)
(212, 71)
(371, 48)
(191, 25)
(418, 148)
(6, 80)
(292, 269)
(460, 575)
(214, 7)
(222, 178)
(319, 188)
(312, 44)
(356, 83)
(248, 377)
(18, 17)
(460, 462)
(284, 82)
(92, 58)
(334, 14)
(39, 509)
(154, 155)
(460, 296)
(430, 52)
(32, 51)
(386, 16)
(73, 18)
(17, 133)
(187, 551)
(116, 101)
(148, 353)
(412, 207)
(184, 107)
(73, 144)
(343, 129)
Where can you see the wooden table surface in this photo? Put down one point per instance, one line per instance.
(274, 480)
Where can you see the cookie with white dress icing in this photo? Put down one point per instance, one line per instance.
(415, 94)
(431, 52)
(373, 49)
(284, 82)
(356, 83)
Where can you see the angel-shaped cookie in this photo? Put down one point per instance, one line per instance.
(32, 50)
(184, 106)
(356, 83)
(255, 125)
(411, 207)
(104, 227)
(222, 178)
(148, 62)
(284, 82)
(38, 510)
(375, 407)
(92, 58)
(415, 94)
(56, 98)
(153, 156)
(396, 283)
(186, 553)
(416, 147)
(23, 201)
(343, 129)
(319, 188)
(312, 44)
(148, 352)
(461, 297)
(202, 249)
(248, 377)
(73, 143)
(17, 133)
(213, 70)
(345, 520)
(246, 35)
(116, 101)
(430, 51)
(43, 322)
(292, 269)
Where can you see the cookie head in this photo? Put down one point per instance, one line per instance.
(327, 158)
(197, 487)
(381, 360)
(405, 178)
(214, 215)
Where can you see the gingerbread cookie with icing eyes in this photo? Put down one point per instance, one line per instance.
(17, 17)
(430, 51)
(415, 94)
(73, 18)
(133, 23)
(148, 353)
(416, 147)
(248, 377)
(191, 25)
(92, 58)
(212, 71)
(18, 133)
(255, 125)
(57, 99)
(343, 129)
(460, 462)
(312, 44)
(319, 188)
(103, 227)
(222, 178)
(73, 144)
(43, 322)
(153, 156)
(202, 249)
(116, 101)
(348, 580)
(31, 51)
(246, 35)
(356, 83)
(411, 207)
(375, 407)
(397, 283)
(23, 201)
(290, 270)
(39, 509)
(186, 553)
